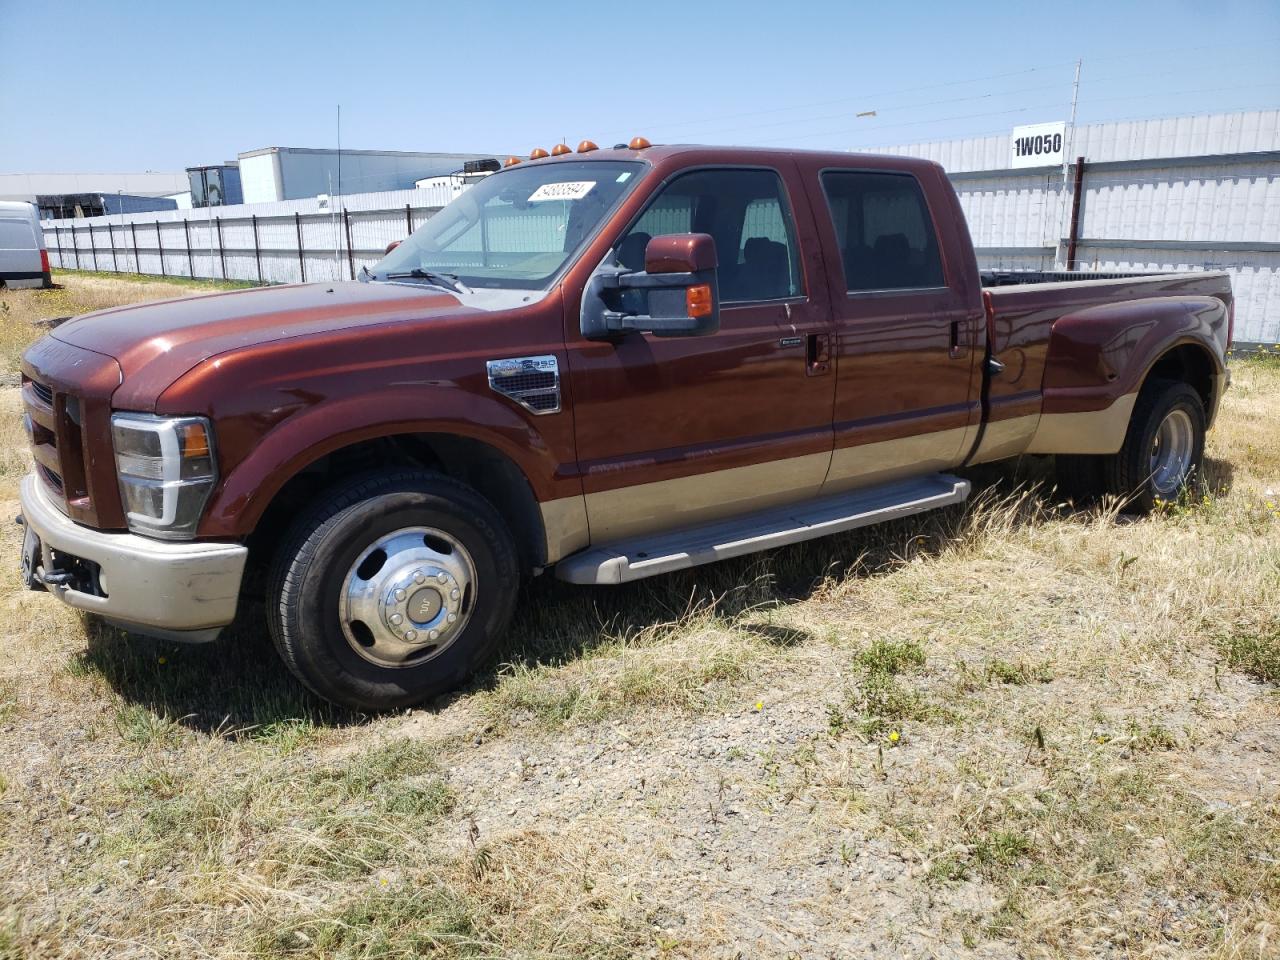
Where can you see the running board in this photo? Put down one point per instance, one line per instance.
(776, 527)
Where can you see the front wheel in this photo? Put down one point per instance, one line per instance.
(393, 589)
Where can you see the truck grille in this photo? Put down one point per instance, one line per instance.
(43, 392)
(50, 417)
(66, 399)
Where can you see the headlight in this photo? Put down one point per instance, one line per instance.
(167, 468)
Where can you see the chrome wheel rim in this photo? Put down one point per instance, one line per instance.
(1171, 452)
(407, 597)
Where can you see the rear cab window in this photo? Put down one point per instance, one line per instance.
(886, 237)
(746, 212)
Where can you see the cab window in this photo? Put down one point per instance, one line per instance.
(886, 236)
(745, 212)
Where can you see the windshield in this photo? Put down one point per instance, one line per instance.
(516, 228)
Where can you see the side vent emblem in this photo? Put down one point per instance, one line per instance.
(532, 382)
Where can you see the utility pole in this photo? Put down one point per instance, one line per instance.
(1067, 149)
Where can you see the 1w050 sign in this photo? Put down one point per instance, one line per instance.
(1037, 145)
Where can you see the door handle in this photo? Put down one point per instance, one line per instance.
(817, 360)
(956, 351)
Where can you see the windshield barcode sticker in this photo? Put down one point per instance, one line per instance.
(569, 190)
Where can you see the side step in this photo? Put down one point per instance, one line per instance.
(776, 527)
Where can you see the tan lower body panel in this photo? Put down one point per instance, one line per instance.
(1220, 383)
(667, 504)
(1092, 431)
(870, 463)
(565, 523)
(1006, 438)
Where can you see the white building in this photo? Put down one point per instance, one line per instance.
(292, 173)
(1179, 193)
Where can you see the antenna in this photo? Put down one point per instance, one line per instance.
(340, 139)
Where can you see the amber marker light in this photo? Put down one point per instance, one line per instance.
(538, 153)
(195, 442)
(511, 161)
(639, 143)
(560, 149)
(697, 300)
(586, 146)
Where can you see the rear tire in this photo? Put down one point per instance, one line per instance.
(393, 589)
(1163, 448)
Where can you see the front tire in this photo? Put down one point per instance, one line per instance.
(393, 589)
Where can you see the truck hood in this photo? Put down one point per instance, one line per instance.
(161, 340)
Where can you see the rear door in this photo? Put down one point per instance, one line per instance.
(675, 431)
(19, 249)
(906, 328)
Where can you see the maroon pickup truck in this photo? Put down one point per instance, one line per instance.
(608, 364)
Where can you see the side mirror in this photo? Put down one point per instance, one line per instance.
(391, 246)
(676, 295)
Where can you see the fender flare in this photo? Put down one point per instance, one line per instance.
(1101, 353)
(304, 438)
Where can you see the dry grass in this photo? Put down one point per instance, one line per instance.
(1003, 730)
(76, 292)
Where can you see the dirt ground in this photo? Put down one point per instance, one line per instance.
(1004, 730)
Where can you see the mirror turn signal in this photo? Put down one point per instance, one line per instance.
(699, 301)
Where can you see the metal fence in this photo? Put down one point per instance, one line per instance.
(1170, 194)
(286, 242)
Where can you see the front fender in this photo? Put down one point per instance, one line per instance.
(316, 431)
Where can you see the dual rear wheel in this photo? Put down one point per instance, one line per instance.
(1161, 457)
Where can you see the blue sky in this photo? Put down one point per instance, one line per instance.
(103, 85)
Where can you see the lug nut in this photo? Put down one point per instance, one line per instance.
(397, 619)
(443, 578)
(453, 594)
(453, 617)
(400, 595)
(419, 577)
(435, 634)
(411, 635)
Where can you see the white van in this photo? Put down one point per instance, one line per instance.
(24, 261)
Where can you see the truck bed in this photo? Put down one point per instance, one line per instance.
(1045, 365)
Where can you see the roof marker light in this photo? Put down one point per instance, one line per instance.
(560, 149)
(639, 143)
(586, 146)
(537, 153)
(511, 161)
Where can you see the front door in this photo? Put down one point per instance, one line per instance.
(677, 431)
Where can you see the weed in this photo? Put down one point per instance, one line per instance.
(1002, 671)
(1254, 653)
(887, 657)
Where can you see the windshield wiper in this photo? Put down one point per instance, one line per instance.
(449, 281)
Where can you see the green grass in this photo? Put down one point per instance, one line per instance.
(888, 657)
(404, 921)
(1254, 653)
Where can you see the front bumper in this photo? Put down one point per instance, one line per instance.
(179, 591)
